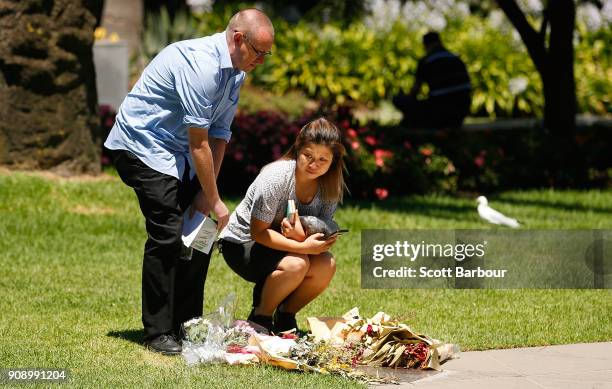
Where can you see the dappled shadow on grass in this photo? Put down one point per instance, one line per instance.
(135, 336)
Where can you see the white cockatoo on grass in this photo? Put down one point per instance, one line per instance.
(493, 216)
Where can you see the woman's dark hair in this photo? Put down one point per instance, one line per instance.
(322, 132)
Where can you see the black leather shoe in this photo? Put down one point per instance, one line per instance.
(164, 344)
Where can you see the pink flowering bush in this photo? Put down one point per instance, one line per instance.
(377, 166)
(107, 120)
(382, 165)
(386, 162)
(257, 139)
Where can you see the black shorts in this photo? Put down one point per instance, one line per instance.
(251, 260)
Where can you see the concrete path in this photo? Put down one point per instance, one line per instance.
(567, 366)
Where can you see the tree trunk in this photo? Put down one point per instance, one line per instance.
(48, 103)
(554, 63)
(560, 89)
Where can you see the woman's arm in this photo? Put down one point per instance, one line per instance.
(263, 234)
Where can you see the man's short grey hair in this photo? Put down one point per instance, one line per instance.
(249, 21)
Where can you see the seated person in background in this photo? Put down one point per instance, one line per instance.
(449, 89)
(262, 246)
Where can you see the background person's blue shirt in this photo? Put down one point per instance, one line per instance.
(190, 83)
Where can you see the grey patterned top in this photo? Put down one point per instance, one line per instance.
(266, 200)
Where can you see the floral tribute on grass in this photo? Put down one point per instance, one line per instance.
(333, 346)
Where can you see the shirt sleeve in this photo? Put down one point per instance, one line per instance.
(221, 128)
(268, 197)
(196, 88)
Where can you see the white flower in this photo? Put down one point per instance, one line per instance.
(589, 15)
(200, 6)
(329, 33)
(436, 21)
(606, 11)
(496, 18)
(441, 6)
(192, 321)
(462, 9)
(414, 14)
(421, 10)
(535, 5)
(516, 37)
(517, 85)
(383, 13)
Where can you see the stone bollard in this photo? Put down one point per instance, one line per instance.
(111, 60)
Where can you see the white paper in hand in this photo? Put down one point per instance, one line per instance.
(199, 232)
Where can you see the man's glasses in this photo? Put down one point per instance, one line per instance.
(259, 53)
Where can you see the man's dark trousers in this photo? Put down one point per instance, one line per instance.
(172, 286)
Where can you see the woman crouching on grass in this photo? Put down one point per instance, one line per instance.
(262, 246)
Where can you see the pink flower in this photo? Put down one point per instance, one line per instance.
(104, 109)
(380, 156)
(345, 123)
(369, 329)
(284, 140)
(238, 155)
(352, 133)
(380, 153)
(370, 140)
(479, 161)
(109, 122)
(355, 145)
(407, 145)
(381, 193)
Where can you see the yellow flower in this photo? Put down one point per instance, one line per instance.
(100, 33)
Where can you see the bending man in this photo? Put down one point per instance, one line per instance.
(168, 142)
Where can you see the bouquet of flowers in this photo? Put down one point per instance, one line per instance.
(390, 343)
(217, 337)
(340, 345)
(334, 346)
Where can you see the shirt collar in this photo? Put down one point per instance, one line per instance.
(224, 54)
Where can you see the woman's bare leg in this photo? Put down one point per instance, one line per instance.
(288, 275)
(320, 273)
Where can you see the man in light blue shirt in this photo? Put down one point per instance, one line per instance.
(168, 143)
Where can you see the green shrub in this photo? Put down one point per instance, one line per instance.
(593, 69)
(356, 63)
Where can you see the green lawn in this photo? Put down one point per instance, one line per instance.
(70, 283)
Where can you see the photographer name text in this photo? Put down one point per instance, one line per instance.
(447, 272)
